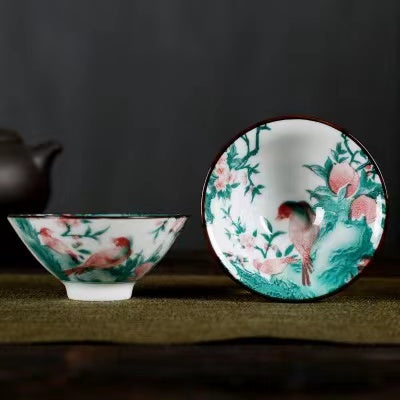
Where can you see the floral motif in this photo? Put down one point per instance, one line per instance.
(234, 171)
(176, 224)
(160, 226)
(247, 241)
(67, 220)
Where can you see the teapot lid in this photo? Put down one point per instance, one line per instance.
(9, 135)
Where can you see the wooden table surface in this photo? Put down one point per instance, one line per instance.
(225, 370)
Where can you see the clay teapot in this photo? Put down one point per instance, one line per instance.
(24, 187)
(24, 174)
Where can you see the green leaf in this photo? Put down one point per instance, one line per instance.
(255, 233)
(328, 166)
(335, 155)
(289, 249)
(234, 163)
(278, 253)
(235, 185)
(339, 148)
(84, 251)
(256, 190)
(269, 225)
(368, 186)
(317, 169)
(225, 212)
(266, 237)
(276, 234)
(210, 195)
(231, 155)
(342, 193)
(321, 198)
(100, 232)
(221, 194)
(263, 252)
(67, 231)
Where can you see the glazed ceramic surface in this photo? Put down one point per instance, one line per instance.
(98, 257)
(294, 208)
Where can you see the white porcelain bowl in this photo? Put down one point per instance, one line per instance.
(294, 208)
(98, 256)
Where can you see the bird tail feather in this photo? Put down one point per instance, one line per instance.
(306, 270)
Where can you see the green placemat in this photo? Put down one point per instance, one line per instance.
(190, 309)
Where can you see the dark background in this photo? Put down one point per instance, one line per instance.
(143, 93)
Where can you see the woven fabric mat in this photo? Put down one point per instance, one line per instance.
(190, 309)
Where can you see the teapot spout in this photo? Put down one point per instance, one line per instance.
(44, 154)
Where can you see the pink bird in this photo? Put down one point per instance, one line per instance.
(107, 258)
(56, 244)
(302, 232)
(273, 266)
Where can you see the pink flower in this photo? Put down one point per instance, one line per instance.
(368, 169)
(229, 178)
(220, 183)
(66, 220)
(232, 177)
(178, 224)
(363, 206)
(221, 170)
(342, 175)
(142, 270)
(247, 241)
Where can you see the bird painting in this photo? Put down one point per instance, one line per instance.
(302, 232)
(107, 258)
(47, 238)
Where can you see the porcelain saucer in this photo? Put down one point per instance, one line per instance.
(294, 208)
